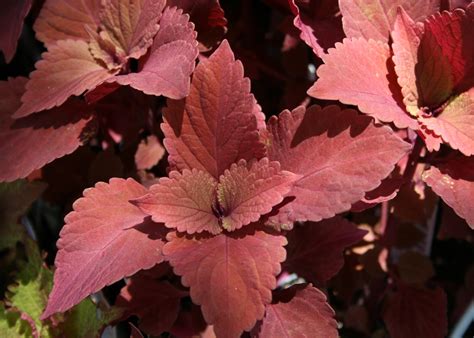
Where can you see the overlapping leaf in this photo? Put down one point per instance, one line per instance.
(339, 154)
(315, 250)
(29, 143)
(230, 275)
(374, 19)
(454, 182)
(149, 152)
(103, 228)
(415, 311)
(11, 23)
(155, 302)
(299, 311)
(215, 125)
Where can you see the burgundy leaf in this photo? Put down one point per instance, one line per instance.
(105, 239)
(247, 192)
(416, 312)
(454, 182)
(11, 23)
(230, 275)
(374, 19)
(386, 191)
(183, 201)
(31, 142)
(339, 154)
(171, 61)
(455, 124)
(215, 125)
(320, 33)
(315, 250)
(208, 16)
(366, 79)
(67, 69)
(156, 303)
(67, 19)
(301, 311)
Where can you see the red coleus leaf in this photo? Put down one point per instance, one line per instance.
(29, 143)
(230, 275)
(67, 19)
(103, 228)
(215, 125)
(155, 302)
(454, 182)
(194, 201)
(208, 16)
(362, 79)
(67, 69)
(11, 23)
(299, 311)
(374, 19)
(149, 152)
(339, 154)
(320, 28)
(171, 60)
(315, 250)
(416, 312)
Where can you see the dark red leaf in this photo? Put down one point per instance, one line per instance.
(11, 23)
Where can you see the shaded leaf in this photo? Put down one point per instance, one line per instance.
(301, 311)
(149, 153)
(339, 154)
(366, 79)
(316, 250)
(454, 182)
(11, 23)
(156, 303)
(415, 268)
(241, 268)
(29, 143)
(416, 312)
(66, 69)
(103, 228)
(374, 19)
(215, 126)
(12, 326)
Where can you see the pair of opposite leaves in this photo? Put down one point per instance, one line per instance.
(321, 160)
(427, 85)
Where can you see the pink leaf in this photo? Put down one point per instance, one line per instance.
(406, 37)
(301, 311)
(316, 250)
(183, 201)
(155, 302)
(341, 155)
(208, 16)
(149, 153)
(230, 275)
(67, 69)
(247, 192)
(67, 19)
(11, 23)
(29, 143)
(366, 79)
(215, 125)
(97, 241)
(456, 123)
(318, 33)
(454, 182)
(171, 61)
(416, 312)
(374, 19)
(131, 24)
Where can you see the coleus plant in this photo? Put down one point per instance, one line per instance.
(234, 182)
